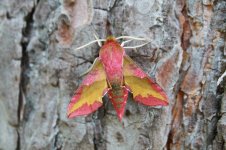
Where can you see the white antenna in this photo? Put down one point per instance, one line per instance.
(121, 37)
(99, 40)
(131, 37)
(137, 46)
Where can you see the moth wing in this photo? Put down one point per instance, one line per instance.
(88, 97)
(143, 88)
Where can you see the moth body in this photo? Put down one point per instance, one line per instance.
(111, 55)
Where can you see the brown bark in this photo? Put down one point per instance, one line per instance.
(40, 70)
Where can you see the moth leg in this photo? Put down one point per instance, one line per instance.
(87, 71)
(98, 41)
(221, 78)
(131, 37)
(124, 42)
(96, 36)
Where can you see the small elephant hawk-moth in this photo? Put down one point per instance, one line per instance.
(114, 73)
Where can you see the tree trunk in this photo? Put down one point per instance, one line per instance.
(40, 70)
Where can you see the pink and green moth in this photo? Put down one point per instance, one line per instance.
(116, 74)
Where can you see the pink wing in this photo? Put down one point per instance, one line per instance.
(88, 97)
(143, 88)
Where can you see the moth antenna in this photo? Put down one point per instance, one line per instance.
(124, 42)
(99, 40)
(131, 37)
(137, 46)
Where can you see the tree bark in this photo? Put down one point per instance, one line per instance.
(40, 70)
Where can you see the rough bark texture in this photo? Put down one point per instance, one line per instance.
(40, 70)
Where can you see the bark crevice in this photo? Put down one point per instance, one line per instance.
(24, 77)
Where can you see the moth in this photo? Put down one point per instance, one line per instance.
(116, 74)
